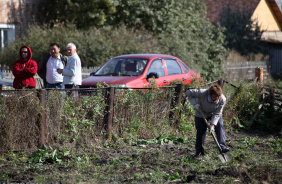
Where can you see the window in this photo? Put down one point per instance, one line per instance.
(123, 66)
(7, 34)
(157, 67)
(173, 67)
(186, 70)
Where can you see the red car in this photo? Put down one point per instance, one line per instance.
(137, 70)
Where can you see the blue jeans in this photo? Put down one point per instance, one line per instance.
(56, 86)
(202, 130)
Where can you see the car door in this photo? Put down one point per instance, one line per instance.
(174, 70)
(188, 74)
(157, 66)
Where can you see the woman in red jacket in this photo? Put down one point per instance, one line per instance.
(24, 70)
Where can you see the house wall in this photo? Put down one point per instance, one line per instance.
(266, 18)
(19, 13)
(215, 7)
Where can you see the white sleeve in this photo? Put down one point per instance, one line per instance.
(71, 70)
(215, 119)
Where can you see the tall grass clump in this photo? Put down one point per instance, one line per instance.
(20, 119)
(74, 121)
(246, 109)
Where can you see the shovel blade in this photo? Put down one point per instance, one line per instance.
(224, 157)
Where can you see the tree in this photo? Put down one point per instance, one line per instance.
(242, 32)
(179, 26)
(167, 16)
(82, 13)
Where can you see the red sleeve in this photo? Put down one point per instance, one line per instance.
(17, 69)
(31, 69)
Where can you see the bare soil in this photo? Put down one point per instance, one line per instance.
(156, 163)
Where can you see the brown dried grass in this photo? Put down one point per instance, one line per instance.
(20, 126)
(235, 57)
(77, 123)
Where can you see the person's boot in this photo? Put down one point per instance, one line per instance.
(198, 155)
(225, 150)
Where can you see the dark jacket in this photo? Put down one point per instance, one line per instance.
(24, 71)
(42, 66)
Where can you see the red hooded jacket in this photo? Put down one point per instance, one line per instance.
(24, 72)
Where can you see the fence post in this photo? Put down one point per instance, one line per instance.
(178, 95)
(42, 97)
(259, 79)
(221, 83)
(259, 75)
(108, 115)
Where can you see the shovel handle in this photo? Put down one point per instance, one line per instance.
(203, 116)
(212, 133)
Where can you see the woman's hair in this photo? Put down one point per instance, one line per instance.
(215, 89)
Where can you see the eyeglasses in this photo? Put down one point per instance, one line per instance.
(24, 52)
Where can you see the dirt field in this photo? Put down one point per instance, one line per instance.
(256, 158)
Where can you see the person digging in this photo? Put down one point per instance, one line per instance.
(211, 102)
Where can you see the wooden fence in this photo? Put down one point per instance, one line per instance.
(174, 115)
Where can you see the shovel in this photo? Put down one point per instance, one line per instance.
(224, 157)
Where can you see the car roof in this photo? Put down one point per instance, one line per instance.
(145, 56)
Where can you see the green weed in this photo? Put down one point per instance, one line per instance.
(49, 155)
(247, 142)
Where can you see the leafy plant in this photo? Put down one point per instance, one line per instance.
(276, 145)
(172, 177)
(45, 155)
(247, 142)
(4, 176)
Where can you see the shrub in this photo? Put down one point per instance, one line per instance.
(96, 46)
(243, 104)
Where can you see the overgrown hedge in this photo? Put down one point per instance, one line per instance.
(200, 50)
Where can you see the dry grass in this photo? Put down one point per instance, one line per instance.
(74, 123)
(20, 125)
(235, 57)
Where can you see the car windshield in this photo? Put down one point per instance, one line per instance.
(123, 67)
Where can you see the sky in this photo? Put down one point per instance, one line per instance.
(279, 3)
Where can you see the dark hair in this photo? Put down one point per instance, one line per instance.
(215, 89)
(54, 44)
(24, 47)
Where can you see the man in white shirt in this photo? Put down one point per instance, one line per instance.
(47, 68)
(72, 71)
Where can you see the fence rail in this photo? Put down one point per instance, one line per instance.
(31, 118)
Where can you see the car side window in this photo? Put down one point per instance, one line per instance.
(173, 67)
(157, 67)
(185, 68)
